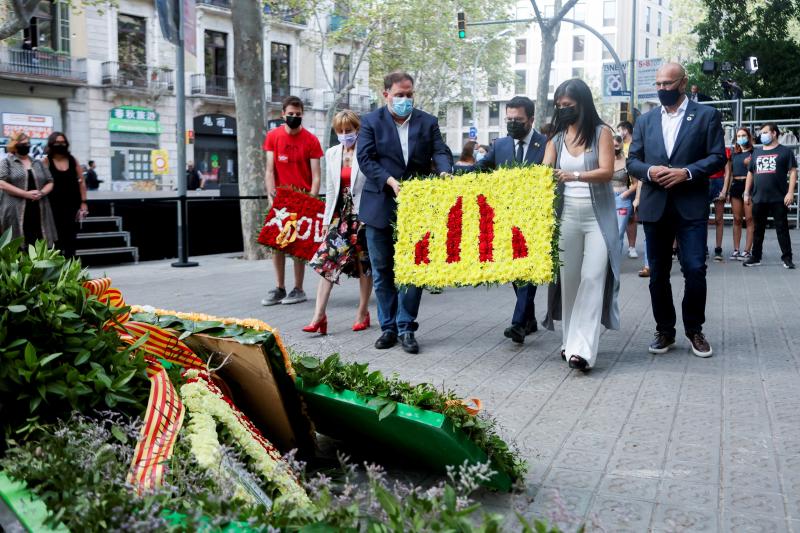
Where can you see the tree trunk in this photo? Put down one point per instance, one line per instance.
(248, 73)
(549, 39)
(16, 16)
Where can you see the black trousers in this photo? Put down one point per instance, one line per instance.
(780, 214)
(691, 236)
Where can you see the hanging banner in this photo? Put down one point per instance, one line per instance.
(159, 160)
(646, 79)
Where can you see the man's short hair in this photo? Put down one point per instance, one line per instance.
(294, 102)
(91, 162)
(625, 124)
(522, 102)
(396, 77)
(773, 127)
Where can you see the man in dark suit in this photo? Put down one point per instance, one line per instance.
(523, 146)
(396, 143)
(697, 96)
(675, 148)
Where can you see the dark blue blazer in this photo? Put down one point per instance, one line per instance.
(380, 157)
(699, 147)
(503, 152)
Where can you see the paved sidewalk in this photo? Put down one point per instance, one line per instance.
(641, 443)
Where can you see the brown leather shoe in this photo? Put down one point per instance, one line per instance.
(644, 272)
(662, 343)
(700, 346)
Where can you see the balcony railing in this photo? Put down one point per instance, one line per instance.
(359, 103)
(144, 77)
(225, 4)
(219, 86)
(293, 15)
(41, 64)
(276, 93)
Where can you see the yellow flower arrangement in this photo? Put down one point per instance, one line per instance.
(207, 408)
(502, 229)
(251, 323)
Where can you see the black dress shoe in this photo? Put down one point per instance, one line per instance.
(387, 340)
(409, 343)
(578, 362)
(516, 334)
(531, 327)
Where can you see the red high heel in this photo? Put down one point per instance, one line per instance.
(361, 326)
(320, 326)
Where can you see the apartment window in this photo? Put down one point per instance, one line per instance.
(658, 24)
(493, 135)
(519, 82)
(578, 47)
(579, 12)
(610, 38)
(464, 139)
(492, 87)
(442, 116)
(49, 27)
(494, 114)
(341, 71)
(548, 10)
(647, 20)
(551, 85)
(216, 59)
(279, 71)
(609, 13)
(646, 47)
(522, 51)
(466, 115)
(577, 72)
(132, 49)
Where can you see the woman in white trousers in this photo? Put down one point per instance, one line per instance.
(585, 295)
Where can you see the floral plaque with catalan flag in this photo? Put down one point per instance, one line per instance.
(294, 224)
(478, 228)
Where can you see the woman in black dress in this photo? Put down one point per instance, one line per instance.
(68, 198)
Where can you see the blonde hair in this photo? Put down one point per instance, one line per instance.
(346, 118)
(14, 140)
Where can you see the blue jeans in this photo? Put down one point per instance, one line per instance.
(397, 310)
(624, 212)
(691, 236)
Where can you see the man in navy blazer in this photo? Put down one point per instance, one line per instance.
(523, 146)
(396, 143)
(675, 148)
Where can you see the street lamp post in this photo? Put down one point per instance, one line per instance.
(484, 44)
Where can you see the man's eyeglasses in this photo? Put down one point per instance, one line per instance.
(665, 84)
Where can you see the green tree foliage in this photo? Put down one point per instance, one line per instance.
(733, 30)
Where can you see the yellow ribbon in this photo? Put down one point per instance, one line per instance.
(289, 232)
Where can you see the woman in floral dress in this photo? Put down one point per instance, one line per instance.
(344, 250)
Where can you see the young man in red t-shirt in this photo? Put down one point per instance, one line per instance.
(293, 155)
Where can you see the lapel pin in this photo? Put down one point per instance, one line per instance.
(536, 145)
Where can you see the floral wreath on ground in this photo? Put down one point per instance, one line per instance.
(207, 407)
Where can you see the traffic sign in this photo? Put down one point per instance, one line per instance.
(473, 132)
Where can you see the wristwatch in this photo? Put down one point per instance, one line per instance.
(577, 175)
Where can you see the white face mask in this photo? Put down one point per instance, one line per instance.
(479, 156)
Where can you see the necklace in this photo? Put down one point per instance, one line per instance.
(347, 156)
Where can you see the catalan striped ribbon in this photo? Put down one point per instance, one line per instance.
(163, 417)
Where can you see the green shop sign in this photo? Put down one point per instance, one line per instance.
(132, 119)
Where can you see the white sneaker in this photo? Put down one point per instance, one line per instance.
(632, 253)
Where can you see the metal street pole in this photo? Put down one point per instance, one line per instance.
(180, 68)
(632, 102)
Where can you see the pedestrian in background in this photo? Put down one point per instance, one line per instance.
(68, 199)
(736, 169)
(293, 155)
(625, 130)
(718, 184)
(770, 185)
(466, 161)
(585, 293)
(480, 152)
(90, 177)
(344, 250)
(25, 208)
(192, 177)
(624, 190)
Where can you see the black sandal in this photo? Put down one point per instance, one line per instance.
(563, 355)
(576, 361)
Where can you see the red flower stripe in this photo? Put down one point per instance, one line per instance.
(305, 207)
(518, 243)
(422, 249)
(486, 230)
(162, 343)
(455, 220)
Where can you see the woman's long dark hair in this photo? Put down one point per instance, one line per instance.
(51, 140)
(588, 119)
(468, 152)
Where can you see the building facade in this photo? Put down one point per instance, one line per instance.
(578, 54)
(107, 79)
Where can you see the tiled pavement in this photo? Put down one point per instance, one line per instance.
(641, 443)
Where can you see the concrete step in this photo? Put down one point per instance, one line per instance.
(125, 235)
(133, 250)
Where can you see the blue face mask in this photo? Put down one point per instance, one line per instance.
(347, 139)
(402, 106)
(766, 138)
(742, 141)
(479, 156)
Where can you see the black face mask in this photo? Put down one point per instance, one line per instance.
(60, 149)
(566, 116)
(669, 97)
(517, 130)
(23, 149)
(294, 122)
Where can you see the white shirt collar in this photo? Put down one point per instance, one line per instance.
(681, 110)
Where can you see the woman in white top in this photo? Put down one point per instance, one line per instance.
(582, 152)
(344, 250)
